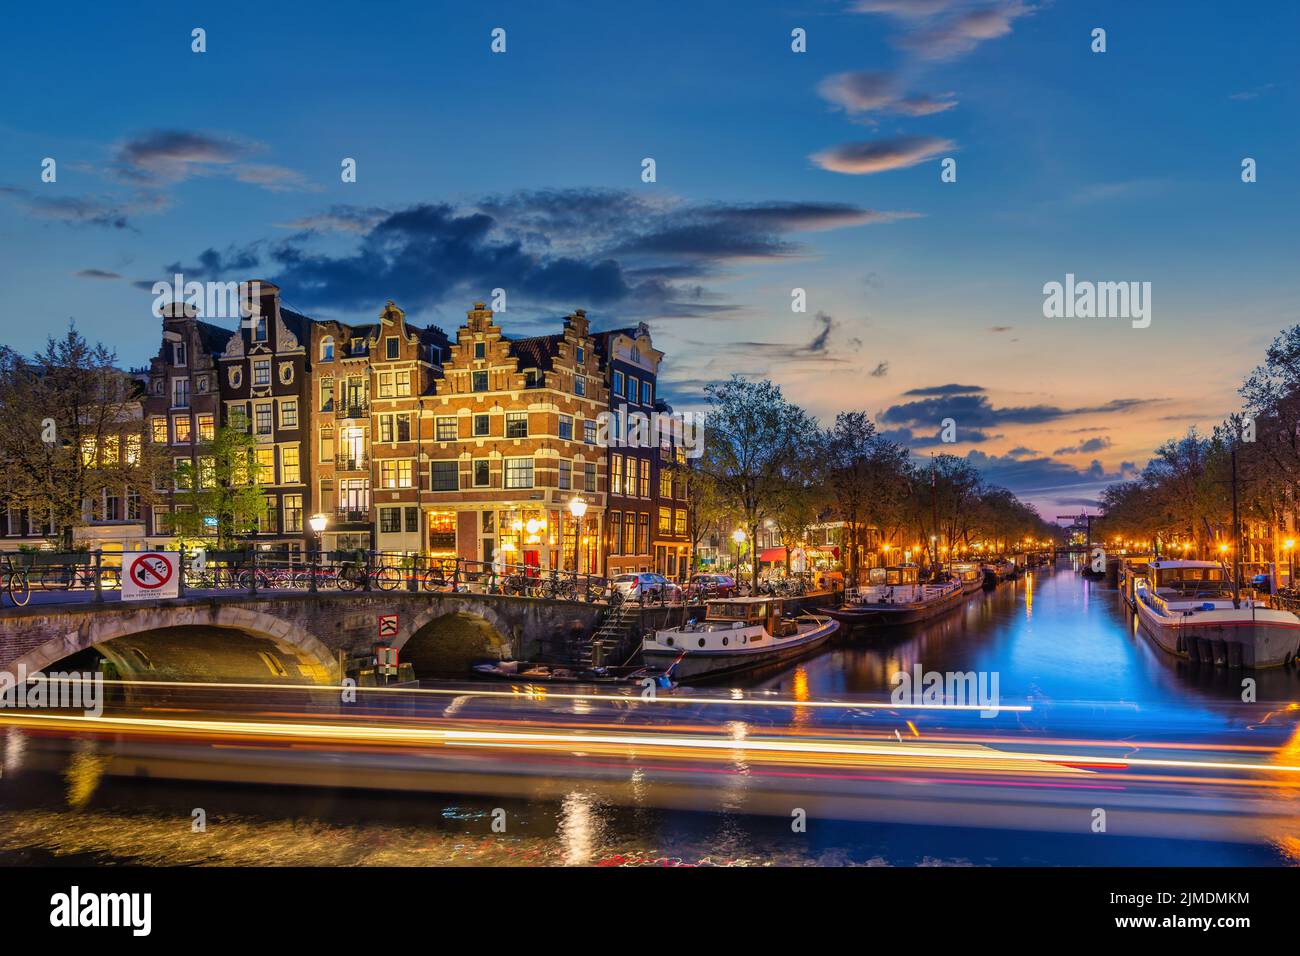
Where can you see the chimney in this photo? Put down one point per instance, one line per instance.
(261, 298)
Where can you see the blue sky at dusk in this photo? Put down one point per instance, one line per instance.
(775, 170)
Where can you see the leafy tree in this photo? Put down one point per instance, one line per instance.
(756, 441)
(225, 487)
(73, 432)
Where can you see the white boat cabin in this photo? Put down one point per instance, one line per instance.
(1187, 585)
(731, 623)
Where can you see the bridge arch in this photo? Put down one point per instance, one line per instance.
(447, 639)
(311, 658)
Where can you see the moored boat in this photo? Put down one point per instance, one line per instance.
(970, 576)
(736, 634)
(895, 595)
(1187, 608)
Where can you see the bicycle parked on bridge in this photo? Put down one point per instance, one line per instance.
(14, 581)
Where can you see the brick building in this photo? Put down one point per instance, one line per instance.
(265, 388)
(370, 387)
(646, 517)
(182, 408)
(511, 436)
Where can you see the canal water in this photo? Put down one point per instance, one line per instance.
(1054, 640)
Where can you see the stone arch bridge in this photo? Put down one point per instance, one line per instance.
(280, 635)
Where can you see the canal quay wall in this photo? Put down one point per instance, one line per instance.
(277, 636)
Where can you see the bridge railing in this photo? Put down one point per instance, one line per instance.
(252, 570)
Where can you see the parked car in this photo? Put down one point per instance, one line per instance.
(713, 585)
(1260, 582)
(646, 586)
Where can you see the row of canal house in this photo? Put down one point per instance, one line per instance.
(408, 440)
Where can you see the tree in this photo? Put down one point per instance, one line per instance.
(756, 441)
(73, 435)
(223, 495)
(866, 479)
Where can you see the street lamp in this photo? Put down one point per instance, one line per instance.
(738, 536)
(1289, 547)
(577, 508)
(317, 523)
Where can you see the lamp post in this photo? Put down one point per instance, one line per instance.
(577, 508)
(1289, 547)
(317, 522)
(738, 536)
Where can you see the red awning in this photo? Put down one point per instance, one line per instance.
(771, 555)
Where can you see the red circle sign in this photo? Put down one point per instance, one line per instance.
(151, 571)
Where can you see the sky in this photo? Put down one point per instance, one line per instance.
(774, 170)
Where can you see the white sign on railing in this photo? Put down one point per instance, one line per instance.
(149, 575)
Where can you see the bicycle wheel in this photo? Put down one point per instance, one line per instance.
(385, 578)
(20, 588)
(434, 579)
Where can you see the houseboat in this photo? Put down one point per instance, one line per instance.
(970, 576)
(1187, 608)
(736, 634)
(894, 595)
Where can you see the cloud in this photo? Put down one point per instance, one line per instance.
(1000, 328)
(976, 411)
(881, 155)
(943, 29)
(880, 371)
(97, 274)
(340, 218)
(950, 389)
(962, 436)
(819, 349)
(1252, 94)
(165, 157)
(563, 248)
(865, 92)
(79, 210)
(1085, 447)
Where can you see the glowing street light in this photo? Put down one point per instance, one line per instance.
(317, 523)
(577, 508)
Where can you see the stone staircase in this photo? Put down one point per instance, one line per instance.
(608, 645)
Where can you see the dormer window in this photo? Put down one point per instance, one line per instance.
(636, 354)
(259, 328)
(480, 350)
(357, 346)
(178, 354)
(580, 356)
(391, 348)
(327, 349)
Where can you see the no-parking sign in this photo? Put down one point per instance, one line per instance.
(148, 575)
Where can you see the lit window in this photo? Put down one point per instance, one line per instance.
(289, 470)
(207, 427)
(182, 429)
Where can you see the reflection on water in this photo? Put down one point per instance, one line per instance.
(1052, 637)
